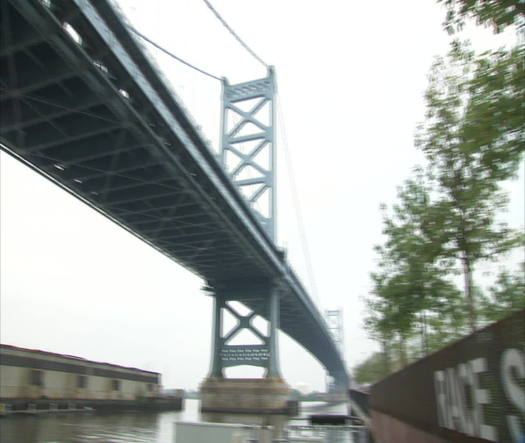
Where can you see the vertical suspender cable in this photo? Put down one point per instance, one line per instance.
(297, 205)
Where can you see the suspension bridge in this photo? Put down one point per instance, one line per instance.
(83, 105)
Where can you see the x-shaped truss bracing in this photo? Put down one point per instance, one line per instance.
(234, 355)
(265, 354)
(247, 145)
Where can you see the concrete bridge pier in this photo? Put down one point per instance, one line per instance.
(264, 396)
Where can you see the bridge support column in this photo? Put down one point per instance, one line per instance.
(216, 363)
(274, 370)
(267, 396)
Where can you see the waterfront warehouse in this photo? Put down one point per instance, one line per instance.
(35, 374)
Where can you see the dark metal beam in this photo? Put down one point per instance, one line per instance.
(41, 112)
(22, 44)
(144, 195)
(81, 133)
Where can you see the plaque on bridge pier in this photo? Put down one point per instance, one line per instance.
(254, 355)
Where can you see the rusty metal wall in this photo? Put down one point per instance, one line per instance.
(470, 391)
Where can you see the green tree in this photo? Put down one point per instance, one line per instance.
(391, 317)
(471, 148)
(376, 324)
(446, 322)
(506, 295)
(497, 13)
(410, 282)
(371, 370)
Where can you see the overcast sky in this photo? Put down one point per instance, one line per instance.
(351, 76)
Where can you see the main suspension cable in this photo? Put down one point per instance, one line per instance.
(151, 42)
(232, 32)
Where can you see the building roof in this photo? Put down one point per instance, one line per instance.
(72, 357)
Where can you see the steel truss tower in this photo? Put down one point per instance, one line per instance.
(334, 320)
(248, 156)
(248, 144)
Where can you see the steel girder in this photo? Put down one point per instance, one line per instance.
(82, 105)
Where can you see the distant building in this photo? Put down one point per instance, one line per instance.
(34, 374)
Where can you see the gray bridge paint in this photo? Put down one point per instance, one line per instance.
(89, 111)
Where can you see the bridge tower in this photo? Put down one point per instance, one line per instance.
(248, 144)
(334, 320)
(248, 156)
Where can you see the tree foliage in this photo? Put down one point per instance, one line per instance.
(410, 282)
(473, 138)
(496, 13)
(446, 220)
(506, 295)
(475, 109)
(371, 370)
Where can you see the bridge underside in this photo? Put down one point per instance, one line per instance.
(82, 105)
(72, 113)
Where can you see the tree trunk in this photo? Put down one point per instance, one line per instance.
(402, 351)
(469, 292)
(424, 336)
(386, 355)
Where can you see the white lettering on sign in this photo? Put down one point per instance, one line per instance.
(481, 397)
(466, 378)
(514, 360)
(460, 398)
(245, 354)
(456, 389)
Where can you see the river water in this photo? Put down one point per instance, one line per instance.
(122, 427)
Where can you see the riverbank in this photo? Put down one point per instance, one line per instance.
(25, 406)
